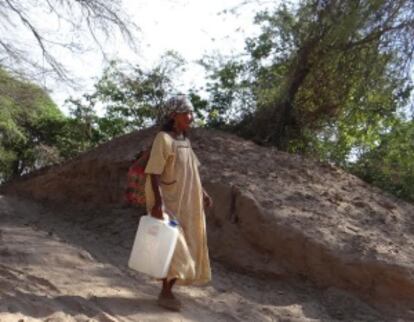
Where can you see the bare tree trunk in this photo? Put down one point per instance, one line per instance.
(277, 123)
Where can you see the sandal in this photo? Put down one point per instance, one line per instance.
(169, 303)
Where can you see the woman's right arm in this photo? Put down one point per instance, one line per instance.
(156, 210)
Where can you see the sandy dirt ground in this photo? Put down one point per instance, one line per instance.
(55, 266)
(274, 213)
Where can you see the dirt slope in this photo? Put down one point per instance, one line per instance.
(275, 214)
(64, 265)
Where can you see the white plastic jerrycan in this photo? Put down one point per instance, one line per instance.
(154, 246)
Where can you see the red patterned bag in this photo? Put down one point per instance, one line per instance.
(135, 191)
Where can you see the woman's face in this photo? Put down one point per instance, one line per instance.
(183, 121)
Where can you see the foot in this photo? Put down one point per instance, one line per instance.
(169, 302)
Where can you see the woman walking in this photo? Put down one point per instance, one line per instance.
(173, 186)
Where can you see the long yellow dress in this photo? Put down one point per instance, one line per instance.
(182, 194)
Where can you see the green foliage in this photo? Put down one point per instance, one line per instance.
(391, 164)
(200, 108)
(135, 98)
(131, 99)
(82, 130)
(230, 98)
(26, 113)
(316, 64)
(324, 78)
(338, 59)
(227, 96)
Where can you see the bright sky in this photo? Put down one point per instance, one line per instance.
(192, 28)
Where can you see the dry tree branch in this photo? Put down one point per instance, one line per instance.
(96, 15)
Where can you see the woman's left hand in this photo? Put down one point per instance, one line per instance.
(207, 200)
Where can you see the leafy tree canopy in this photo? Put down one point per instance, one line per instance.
(26, 111)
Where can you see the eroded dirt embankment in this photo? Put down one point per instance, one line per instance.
(275, 214)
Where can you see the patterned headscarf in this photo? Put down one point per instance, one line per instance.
(178, 104)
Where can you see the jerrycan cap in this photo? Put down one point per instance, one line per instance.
(173, 223)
